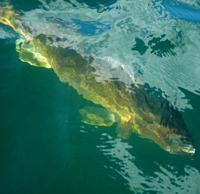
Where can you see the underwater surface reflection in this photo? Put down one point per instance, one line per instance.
(165, 178)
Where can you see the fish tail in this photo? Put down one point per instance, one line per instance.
(11, 17)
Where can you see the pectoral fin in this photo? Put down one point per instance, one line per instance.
(97, 116)
(27, 54)
(125, 127)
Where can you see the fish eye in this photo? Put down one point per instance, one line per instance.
(174, 141)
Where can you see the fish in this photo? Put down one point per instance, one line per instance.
(116, 90)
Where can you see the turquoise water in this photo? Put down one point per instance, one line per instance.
(44, 146)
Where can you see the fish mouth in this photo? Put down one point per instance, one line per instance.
(188, 149)
(187, 145)
(181, 145)
(183, 150)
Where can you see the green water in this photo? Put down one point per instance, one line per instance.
(45, 148)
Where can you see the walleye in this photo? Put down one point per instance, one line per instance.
(105, 82)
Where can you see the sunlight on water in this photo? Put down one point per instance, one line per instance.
(165, 180)
(189, 3)
(167, 57)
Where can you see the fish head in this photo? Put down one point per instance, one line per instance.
(180, 144)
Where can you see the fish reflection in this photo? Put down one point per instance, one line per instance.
(106, 82)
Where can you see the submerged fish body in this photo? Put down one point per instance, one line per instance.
(107, 83)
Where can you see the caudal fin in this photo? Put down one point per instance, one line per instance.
(9, 16)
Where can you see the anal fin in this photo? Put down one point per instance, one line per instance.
(125, 127)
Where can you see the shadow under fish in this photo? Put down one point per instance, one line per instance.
(105, 82)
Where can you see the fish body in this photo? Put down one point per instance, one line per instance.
(105, 82)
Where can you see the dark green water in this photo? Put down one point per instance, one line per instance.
(44, 146)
